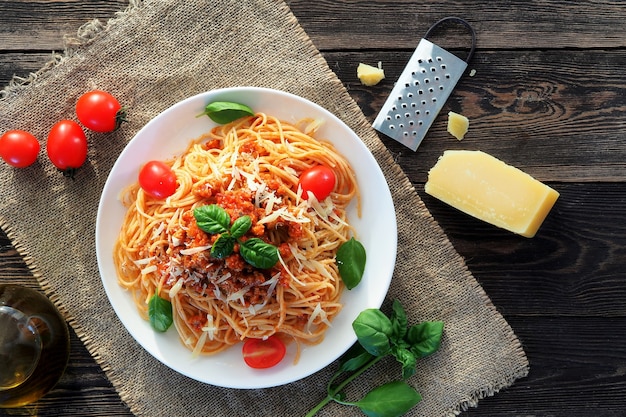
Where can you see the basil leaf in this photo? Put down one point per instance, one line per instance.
(398, 320)
(223, 112)
(160, 313)
(425, 338)
(258, 253)
(392, 399)
(351, 262)
(373, 330)
(407, 359)
(223, 246)
(354, 358)
(240, 226)
(212, 218)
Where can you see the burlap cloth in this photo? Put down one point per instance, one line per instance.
(151, 56)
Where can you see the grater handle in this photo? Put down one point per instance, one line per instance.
(462, 22)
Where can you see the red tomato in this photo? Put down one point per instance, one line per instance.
(320, 180)
(260, 354)
(157, 179)
(99, 111)
(19, 148)
(67, 146)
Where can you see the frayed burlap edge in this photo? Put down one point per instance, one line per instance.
(87, 33)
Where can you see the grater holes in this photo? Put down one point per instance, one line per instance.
(431, 90)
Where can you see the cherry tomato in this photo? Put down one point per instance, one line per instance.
(19, 148)
(67, 146)
(157, 179)
(320, 180)
(260, 354)
(99, 111)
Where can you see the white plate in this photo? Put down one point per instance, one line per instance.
(168, 135)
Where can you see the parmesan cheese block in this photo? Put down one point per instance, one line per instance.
(457, 125)
(490, 190)
(369, 75)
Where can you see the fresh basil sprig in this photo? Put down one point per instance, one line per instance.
(379, 336)
(351, 262)
(213, 219)
(160, 313)
(223, 112)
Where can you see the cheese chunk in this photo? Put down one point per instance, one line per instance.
(457, 125)
(369, 75)
(490, 190)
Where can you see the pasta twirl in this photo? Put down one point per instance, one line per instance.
(248, 167)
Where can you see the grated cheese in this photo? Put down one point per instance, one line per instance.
(317, 312)
(176, 287)
(210, 327)
(148, 269)
(144, 261)
(194, 250)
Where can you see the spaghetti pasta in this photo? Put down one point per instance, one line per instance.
(248, 167)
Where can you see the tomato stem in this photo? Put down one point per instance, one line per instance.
(68, 172)
(120, 117)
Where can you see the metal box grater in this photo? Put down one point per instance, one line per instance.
(422, 89)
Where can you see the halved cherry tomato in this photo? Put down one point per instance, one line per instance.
(157, 179)
(99, 111)
(260, 354)
(320, 180)
(19, 148)
(67, 146)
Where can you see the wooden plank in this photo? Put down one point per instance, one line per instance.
(575, 370)
(573, 267)
(391, 24)
(341, 24)
(41, 25)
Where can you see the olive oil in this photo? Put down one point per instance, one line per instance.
(34, 345)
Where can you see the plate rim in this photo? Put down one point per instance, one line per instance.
(205, 96)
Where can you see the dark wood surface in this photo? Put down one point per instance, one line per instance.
(548, 96)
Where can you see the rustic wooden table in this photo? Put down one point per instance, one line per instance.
(548, 96)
